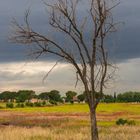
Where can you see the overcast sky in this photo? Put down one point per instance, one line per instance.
(16, 72)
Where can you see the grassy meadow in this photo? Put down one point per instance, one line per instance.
(68, 122)
(82, 133)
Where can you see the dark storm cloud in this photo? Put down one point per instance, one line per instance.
(15, 9)
(127, 39)
(125, 43)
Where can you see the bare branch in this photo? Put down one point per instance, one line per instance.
(91, 62)
(44, 78)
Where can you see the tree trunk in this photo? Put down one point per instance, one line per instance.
(94, 129)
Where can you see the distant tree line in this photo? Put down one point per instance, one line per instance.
(54, 96)
(20, 96)
(122, 97)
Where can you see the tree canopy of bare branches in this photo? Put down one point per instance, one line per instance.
(92, 64)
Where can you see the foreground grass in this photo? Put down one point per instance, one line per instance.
(58, 133)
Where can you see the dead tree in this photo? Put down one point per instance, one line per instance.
(90, 61)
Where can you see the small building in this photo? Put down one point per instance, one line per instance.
(75, 99)
(33, 100)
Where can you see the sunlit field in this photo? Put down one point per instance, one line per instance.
(107, 114)
(83, 108)
(68, 122)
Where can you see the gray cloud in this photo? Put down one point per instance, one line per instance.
(123, 46)
(125, 43)
(16, 76)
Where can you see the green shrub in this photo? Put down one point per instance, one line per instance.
(121, 121)
(37, 104)
(20, 105)
(44, 103)
(72, 102)
(29, 104)
(53, 102)
(9, 105)
(124, 121)
(131, 122)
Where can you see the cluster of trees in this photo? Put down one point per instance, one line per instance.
(122, 97)
(70, 96)
(20, 96)
(52, 96)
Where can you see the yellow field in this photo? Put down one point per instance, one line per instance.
(68, 122)
(107, 114)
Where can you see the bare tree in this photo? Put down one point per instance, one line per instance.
(90, 61)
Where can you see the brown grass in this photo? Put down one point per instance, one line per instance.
(58, 133)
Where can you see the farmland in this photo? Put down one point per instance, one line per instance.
(70, 122)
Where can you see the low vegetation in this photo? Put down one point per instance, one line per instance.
(30, 121)
(60, 133)
(125, 122)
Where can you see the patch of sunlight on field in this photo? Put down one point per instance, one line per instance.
(105, 123)
(68, 108)
(118, 107)
(134, 108)
(58, 133)
(110, 107)
(2, 105)
(130, 108)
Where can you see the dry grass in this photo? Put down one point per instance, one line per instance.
(58, 133)
(120, 133)
(38, 133)
(20, 125)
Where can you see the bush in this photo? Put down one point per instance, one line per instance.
(53, 102)
(72, 102)
(20, 105)
(44, 103)
(9, 105)
(37, 104)
(132, 122)
(29, 104)
(124, 121)
(121, 121)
